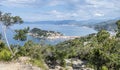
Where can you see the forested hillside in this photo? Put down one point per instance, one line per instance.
(106, 25)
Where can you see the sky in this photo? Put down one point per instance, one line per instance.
(42, 10)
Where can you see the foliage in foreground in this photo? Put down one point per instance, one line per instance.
(100, 50)
(5, 54)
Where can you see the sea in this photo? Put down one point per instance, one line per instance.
(65, 29)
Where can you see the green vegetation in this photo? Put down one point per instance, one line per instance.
(21, 34)
(6, 20)
(38, 63)
(106, 25)
(5, 54)
(0, 36)
(101, 51)
(104, 68)
(43, 33)
(118, 29)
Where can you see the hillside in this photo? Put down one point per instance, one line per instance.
(106, 25)
(96, 24)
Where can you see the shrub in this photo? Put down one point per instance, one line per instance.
(104, 68)
(2, 45)
(40, 63)
(5, 55)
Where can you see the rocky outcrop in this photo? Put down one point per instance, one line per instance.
(20, 64)
(73, 64)
(77, 64)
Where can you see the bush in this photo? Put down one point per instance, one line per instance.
(5, 55)
(104, 68)
(2, 45)
(40, 63)
(63, 63)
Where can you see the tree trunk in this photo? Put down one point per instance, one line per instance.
(16, 50)
(5, 36)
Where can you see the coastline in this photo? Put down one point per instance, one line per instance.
(62, 37)
(54, 37)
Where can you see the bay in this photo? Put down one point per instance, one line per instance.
(67, 30)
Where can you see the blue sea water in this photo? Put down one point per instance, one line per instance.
(68, 30)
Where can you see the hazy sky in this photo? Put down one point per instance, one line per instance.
(37, 10)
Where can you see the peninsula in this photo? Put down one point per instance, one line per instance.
(39, 33)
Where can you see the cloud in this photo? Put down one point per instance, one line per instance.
(19, 1)
(108, 4)
(65, 9)
(99, 14)
(16, 3)
(58, 14)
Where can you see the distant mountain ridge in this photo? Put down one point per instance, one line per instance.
(95, 24)
(68, 22)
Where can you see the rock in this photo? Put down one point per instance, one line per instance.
(76, 64)
(17, 66)
(24, 59)
(69, 68)
(57, 67)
